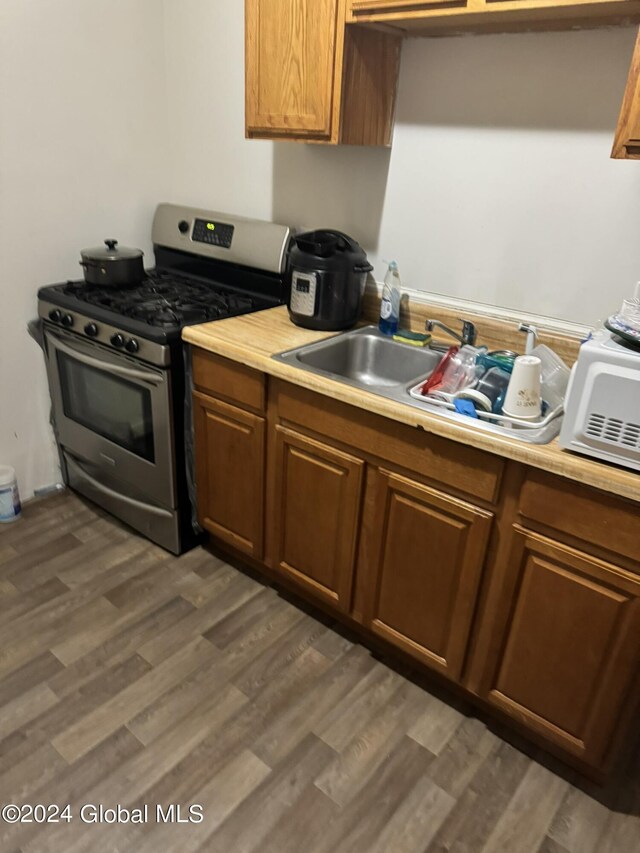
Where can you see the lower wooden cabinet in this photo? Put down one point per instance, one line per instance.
(567, 656)
(230, 461)
(518, 601)
(425, 572)
(316, 513)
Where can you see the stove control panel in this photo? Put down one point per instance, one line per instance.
(87, 329)
(213, 233)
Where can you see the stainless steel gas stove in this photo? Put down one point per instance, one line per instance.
(116, 364)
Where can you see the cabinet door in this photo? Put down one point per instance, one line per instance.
(290, 54)
(230, 461)
(319, 491)
(569, 651)
(626, 145)
(427, 566)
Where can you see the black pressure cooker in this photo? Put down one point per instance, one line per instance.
(327, 272)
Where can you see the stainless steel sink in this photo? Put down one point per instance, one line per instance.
(371, 361)
(365, 357)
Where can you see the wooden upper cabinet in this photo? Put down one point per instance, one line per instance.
(444, 17)
(317, 495)
(626, 145)
(230, 461)
(290, 49)
(565, 646)
(425, 570)
(309, 78)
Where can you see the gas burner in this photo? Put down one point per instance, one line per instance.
(165, 300)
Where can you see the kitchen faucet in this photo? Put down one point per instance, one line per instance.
(469, 331)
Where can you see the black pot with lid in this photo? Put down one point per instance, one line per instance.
(328, 271)
(112, 265)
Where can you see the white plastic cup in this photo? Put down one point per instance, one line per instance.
(10, 508)
(523, 398)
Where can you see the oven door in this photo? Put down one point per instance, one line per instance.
(114, 412)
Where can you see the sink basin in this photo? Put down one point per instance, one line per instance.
(371, 361)
(366, 357)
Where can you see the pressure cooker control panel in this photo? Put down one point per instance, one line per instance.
(213, 233)
(303, 293)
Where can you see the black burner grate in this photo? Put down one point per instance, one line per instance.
(166, 300)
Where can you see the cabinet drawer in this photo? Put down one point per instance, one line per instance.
(228, 379)
(591, 516)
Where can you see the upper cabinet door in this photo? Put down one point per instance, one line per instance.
(290, 59)
(626, 145)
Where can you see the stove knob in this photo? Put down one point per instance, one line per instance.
(55, 315)
(117, 340)
(132, 345)
(67, 321)
(91, 329)
(183, 226)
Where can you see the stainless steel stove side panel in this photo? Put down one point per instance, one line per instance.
(157, 479)
(255, 243)
(156, 523)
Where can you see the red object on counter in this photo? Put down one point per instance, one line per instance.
(437, 376)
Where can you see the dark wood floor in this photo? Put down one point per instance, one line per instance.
(132, 677)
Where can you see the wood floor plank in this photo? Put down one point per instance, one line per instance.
(274, 659)
(436, 726)
(526, 819)
(276, 800)
(360, 826)
(478, 808)
(291, 726)
(118, 647)
(40, 669)
(99, 724)
(356, 709)
(25, 707)
(70, 785)
(579, 822)
(239, 590)
(34, 732)
(362, 757)
(467, 750)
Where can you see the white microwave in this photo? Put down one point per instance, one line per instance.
(602, 405)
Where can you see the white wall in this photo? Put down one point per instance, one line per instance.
(498, 187)
(82, 154)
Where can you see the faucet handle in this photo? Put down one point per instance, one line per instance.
(469, 332)
(532, 335)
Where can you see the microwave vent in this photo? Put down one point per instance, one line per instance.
(613, 430)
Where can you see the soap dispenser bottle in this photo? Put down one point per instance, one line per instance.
(390, 305)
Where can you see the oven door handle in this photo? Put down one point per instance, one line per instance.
(129, 372)
(105, 490)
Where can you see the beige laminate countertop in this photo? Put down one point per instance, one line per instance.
(253, 339)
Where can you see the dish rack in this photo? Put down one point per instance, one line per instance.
(445, 401)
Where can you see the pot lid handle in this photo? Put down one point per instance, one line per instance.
(111, 245)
